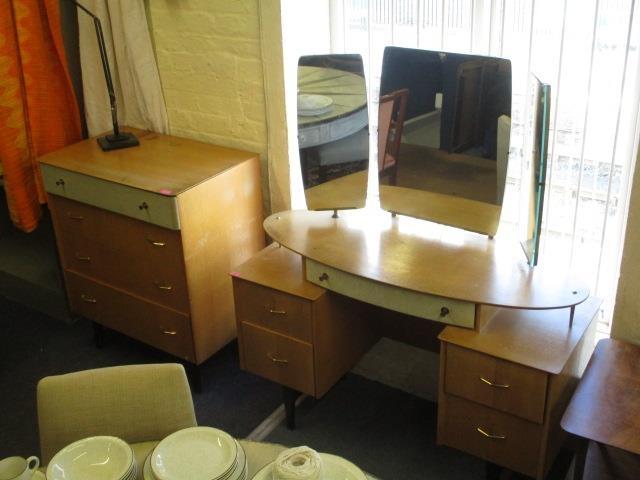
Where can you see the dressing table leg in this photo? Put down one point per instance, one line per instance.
(289, 397)
(99, 335)
(194, 375)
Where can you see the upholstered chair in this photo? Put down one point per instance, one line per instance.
(140, 404)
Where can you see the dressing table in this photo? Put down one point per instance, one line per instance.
(511, 351)
(512, 339)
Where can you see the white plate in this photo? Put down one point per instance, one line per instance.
(198, 453)
(238, 474)
(333, 468)
(309, 105)
(98, 458)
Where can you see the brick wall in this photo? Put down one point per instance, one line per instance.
(210, 61)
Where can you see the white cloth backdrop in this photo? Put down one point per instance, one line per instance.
(133, 68)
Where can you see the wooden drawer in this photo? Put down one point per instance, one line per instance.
(138, 257)
(499, 384)
(516, 442)
(274, 310)
(281, 359)
(133, 202)
(150, 323)
(422, 305)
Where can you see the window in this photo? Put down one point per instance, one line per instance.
(587, 50)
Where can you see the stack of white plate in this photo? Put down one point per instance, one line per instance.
(198, 453)
(333, 467)
(95, 458)
(310, 105)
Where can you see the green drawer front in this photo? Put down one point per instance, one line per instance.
(135, 203)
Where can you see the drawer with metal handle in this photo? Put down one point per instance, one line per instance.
(148, 322)
(499, 384)
(492, 435)
(274, 310)
(279, 358)
(140, 204)
(422, 305)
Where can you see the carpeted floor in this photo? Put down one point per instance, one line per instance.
(33, 346)
(388, 433)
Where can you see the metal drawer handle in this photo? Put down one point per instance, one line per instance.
(156, 243)
(143, 206)
(60, 183)
(275, 359)
(169, 332)
(490, 435)
(277, 312)
(88, 299)
(444, 311)
(73, 216)
(323, 277)
(496, 385)
(163, 287)
(83, 258)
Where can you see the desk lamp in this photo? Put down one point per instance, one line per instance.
(118, 139)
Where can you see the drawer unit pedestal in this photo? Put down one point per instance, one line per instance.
(503, 390)
(292, 332)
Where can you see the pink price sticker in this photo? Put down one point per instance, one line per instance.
(165, 191)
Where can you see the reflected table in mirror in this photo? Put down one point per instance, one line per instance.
(332, 126)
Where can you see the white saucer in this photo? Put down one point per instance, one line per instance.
(333, 467)
(310, 105)
(239, 474)
(197, 453)
(101, 457)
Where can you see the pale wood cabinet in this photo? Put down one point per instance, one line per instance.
(503, 390)
(147, 236)
(292, 332)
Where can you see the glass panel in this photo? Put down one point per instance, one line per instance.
(538, 136)
(333, 131)
(443, 136)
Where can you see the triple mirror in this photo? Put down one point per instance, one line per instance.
(444, 123)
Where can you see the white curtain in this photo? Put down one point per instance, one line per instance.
(133, 67)
(588, 51)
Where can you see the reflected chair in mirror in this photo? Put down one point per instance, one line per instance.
(140, 404)
(392, 110)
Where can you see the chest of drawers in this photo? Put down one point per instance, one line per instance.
(147, 236)
(502, 392)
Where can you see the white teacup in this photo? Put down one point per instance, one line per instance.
(18, 468)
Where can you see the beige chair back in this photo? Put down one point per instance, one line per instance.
(137, 403)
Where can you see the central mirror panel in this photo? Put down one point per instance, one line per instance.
(333, 131)
(444, 128)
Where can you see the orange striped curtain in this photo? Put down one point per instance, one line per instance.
(38, 109)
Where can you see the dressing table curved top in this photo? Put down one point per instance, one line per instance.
(428, 258)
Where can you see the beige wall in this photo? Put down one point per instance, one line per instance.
(219, 62)
(626, 315)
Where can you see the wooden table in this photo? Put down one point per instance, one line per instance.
(349, 113)
(605, 411)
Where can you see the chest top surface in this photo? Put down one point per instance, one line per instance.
(161, 163)
(425, 258)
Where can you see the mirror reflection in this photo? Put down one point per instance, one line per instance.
(444, 127)
(333, 131)
(538, 137)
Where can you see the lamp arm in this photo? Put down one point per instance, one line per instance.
(105, 66)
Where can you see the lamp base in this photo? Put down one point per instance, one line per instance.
(115, 142)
